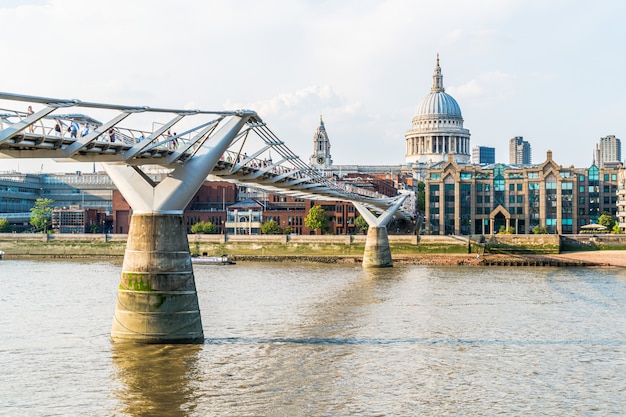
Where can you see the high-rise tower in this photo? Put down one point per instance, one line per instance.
(437, 128)
(608, 151)
(519, 151)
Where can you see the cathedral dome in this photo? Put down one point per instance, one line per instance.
(437, 132)
(438, 103)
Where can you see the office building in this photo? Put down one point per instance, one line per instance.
(472, 199)
(483, 155)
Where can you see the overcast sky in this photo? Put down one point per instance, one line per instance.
(551, 71)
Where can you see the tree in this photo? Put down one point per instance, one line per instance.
(616, 229)
(271, 228)
(606, 219)
(421, 196)
(316, 219)
(41, 213)
(540, 230)
(203, 227)
(5, 226)
(361, 224)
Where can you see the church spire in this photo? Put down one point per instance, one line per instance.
(437, 79)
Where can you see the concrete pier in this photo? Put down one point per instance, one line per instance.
(377, 251)
(157, 300)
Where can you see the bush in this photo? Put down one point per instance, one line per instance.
(271, 228)
(203, 227)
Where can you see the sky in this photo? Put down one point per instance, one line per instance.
(551, 71)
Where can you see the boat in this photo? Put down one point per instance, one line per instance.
(213, 260)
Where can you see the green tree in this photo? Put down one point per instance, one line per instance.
(316, 219)
(540, 230)
(361, 224)
(203, 227)
(606, 219)
(421, 196)
(271, 228)
(616, 229)
(288, 230)
(5, 226)
(41, 213)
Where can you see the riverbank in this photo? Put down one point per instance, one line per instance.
(506, 250)
(608, 258)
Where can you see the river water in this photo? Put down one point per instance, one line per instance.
(321, 340)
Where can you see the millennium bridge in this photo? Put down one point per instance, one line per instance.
(157, 300)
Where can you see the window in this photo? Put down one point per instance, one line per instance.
(566, 185)
(435, 176)
(613, 177)
(519, 187)
(581, 178)
(533, 175)
(511, 187)
(466, 176)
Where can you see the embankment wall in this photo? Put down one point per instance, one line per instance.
(85, 245)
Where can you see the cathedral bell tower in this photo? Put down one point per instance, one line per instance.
(321, 148)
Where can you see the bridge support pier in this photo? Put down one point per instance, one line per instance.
(377, 252)
(157, 300)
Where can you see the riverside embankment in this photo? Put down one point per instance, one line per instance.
(522, 250)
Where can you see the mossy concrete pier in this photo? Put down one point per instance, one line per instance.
(157, 300)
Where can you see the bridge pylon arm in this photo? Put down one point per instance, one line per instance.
(174, 192)
(377, 250)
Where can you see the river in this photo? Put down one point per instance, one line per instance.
(289, 339)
